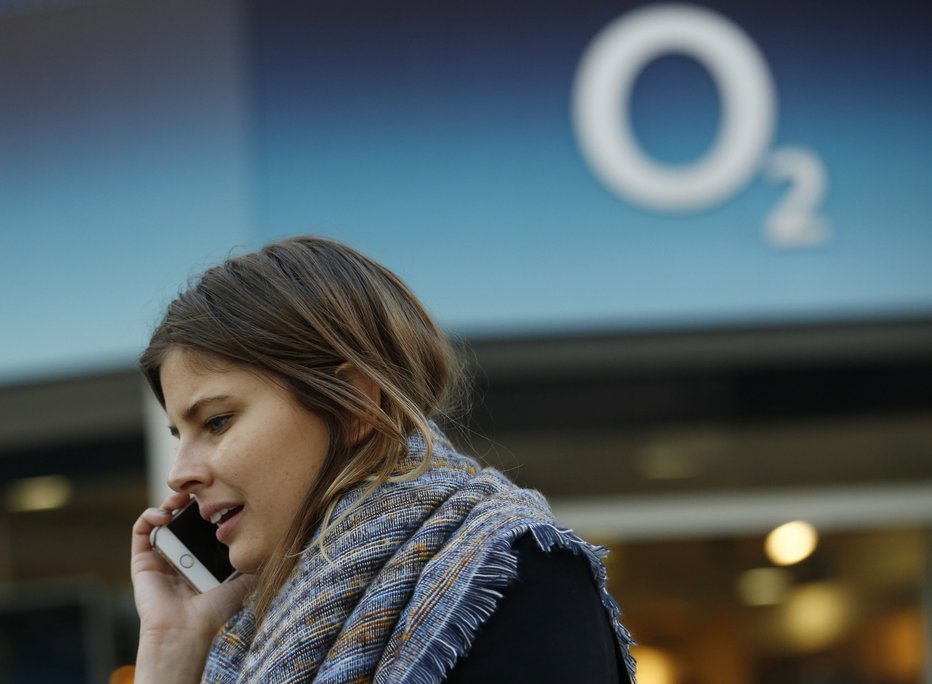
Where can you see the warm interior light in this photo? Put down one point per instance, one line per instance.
(681, 456)
(898, 638)
(791, 543)
(816, 616)
(37, 494)
(763, 586)
(654, 666)
(666, 462)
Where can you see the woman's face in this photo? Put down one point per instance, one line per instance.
(247, 451)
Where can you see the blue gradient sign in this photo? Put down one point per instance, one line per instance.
(546, 165)
(526, 166)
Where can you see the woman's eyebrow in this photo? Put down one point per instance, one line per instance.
(196, 407)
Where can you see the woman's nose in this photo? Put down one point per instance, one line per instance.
(188, 473)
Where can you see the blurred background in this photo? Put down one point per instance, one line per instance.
(686, 248)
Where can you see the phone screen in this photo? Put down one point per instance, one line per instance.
(199, 536)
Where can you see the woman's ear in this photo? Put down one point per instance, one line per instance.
(361, 428)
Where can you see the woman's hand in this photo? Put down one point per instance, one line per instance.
(176, 623)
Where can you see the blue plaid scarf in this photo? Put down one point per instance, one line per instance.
(414, 569)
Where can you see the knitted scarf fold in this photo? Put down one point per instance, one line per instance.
(410, 574)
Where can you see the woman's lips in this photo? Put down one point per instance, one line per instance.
(225, 528)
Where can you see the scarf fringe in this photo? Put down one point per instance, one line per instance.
(481, 596)
(498, 569)
(548, 537)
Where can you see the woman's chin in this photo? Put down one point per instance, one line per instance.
(244, 563)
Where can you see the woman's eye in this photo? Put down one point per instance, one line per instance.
(216, 424)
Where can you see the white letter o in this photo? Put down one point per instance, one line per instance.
(601, 113)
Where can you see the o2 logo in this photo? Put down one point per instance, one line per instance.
(742, 149)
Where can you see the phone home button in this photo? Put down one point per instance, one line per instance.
(186, 561)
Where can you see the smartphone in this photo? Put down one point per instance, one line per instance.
(190, 544)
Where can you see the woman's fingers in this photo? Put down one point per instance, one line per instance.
(143, 556)
(145, 523)
(176, 500)
(152, 518)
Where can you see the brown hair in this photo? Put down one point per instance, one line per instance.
(298, 310)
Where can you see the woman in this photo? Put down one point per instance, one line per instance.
(303, 383)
